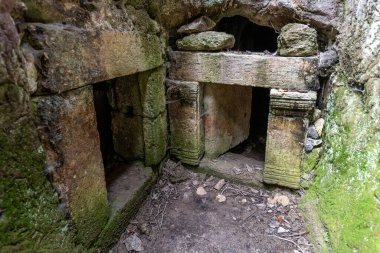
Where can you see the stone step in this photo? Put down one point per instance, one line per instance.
(234, 167)
(127, 188)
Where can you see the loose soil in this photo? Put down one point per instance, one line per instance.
(176, 219)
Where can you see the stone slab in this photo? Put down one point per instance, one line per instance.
(258, 70)
(67, 127)
(227, 117)
(228, 164)
(128, 187)
(186, 122)
(152, 91)
(155, 139)
(284, 149)
(72, 57)
(127, 123)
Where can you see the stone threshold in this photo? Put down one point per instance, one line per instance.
(235, 168)
(127, 188)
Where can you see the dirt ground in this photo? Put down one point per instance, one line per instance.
(185, 213)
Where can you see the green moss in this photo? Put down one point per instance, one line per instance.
(31, 220)
(348, 176)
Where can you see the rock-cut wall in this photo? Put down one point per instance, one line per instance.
(347, 188)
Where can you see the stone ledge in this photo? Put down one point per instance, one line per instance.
(258, 70)
(70, 57)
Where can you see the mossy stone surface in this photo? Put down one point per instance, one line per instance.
(347, 177)
(206, 41)
(30, 220)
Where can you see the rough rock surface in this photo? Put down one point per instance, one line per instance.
(68, 163)
(201, 24)
(206, 41)
(297, 40)
(71, 57)
(350, 162)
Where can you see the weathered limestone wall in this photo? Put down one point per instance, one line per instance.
(67, 126)
(347, 189)
(29, 216)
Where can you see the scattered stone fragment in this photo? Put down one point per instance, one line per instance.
(279, 199)
(316, 114)
(219, 184)
(195, 182)
(209, 179)
(244, 201)
(206, 41)
(282, 230)
(144, 228)
(319, 126)
(308, 146)
(237, 171)
(327, 59)
(133, 243)
(220, 198)
(249, 168)
(201, 191)
(201, 24)
(186, 197)
(297, 40)
(274, 224)
(312, 132)
(315, 143)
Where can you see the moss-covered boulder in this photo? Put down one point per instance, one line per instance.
(206, 41)
(297, 40)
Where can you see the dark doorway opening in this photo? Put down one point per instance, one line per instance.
(104, 121)
(254, 146)
(248, 35)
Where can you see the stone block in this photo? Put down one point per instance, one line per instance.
(297, 40)
(126, 96)
(128, 138)
(125, 201)
(284, 150)
(227, 117)
(206, 41)
(256, 70)
(292, 103)
(201, 24)
(152, 90)
(186, 122)
(155, 139)
(72, 57)
(67, 127)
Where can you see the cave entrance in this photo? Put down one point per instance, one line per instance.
(104, 121)
(254, 146)
(120, 126)
(249, 36)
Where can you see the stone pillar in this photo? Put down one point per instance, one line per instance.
(286, 135)
(68, 130)
(227, 117)
(127, 121)
(186, 123)
(152, 91)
